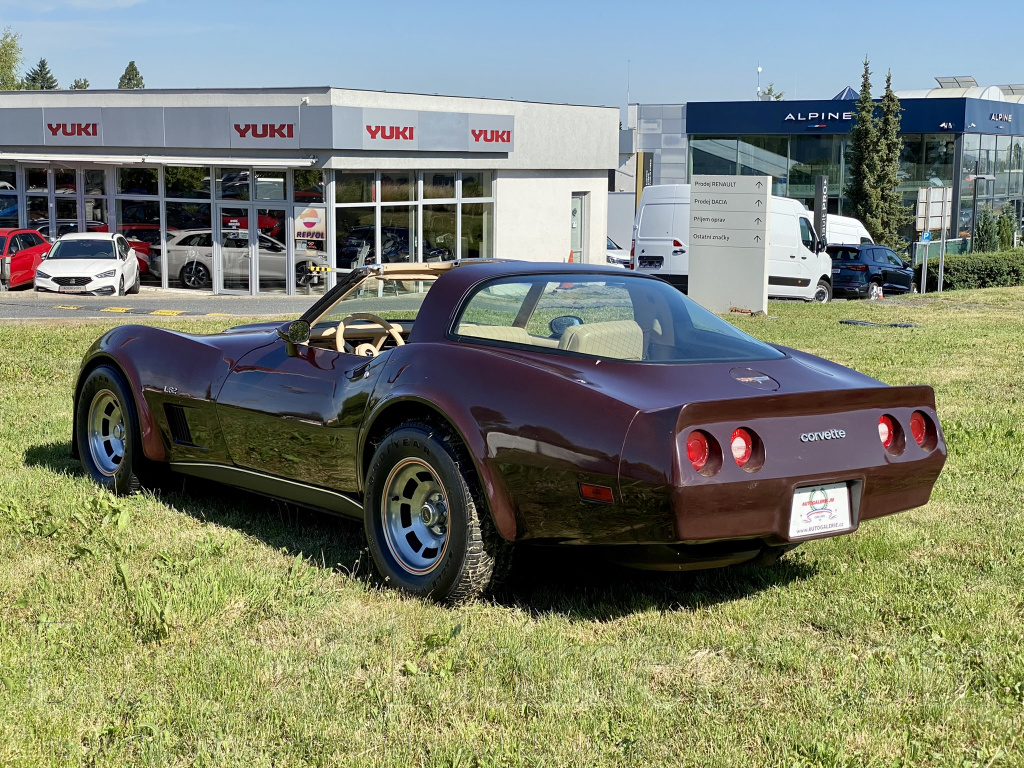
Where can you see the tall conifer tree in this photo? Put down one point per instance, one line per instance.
(862, 188)
(893, 215)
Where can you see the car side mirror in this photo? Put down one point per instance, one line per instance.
(822, 245)
(295, 332)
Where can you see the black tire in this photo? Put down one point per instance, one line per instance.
(194, 275)
(823, 292)
(303, 276)
(120, 287)
(472, 553)
(137, 284)
(117, 473)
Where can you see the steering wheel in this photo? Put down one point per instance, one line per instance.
(366, 349)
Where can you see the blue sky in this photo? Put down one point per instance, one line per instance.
(559, 51)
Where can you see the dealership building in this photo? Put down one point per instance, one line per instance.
(957, 135)
(243, 191)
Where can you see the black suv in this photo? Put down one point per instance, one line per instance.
(868, 271)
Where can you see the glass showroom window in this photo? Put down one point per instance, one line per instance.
(8, 196)
(412, 216)
(186, 248)
(94, 184)
(37, 201)
(137, 208)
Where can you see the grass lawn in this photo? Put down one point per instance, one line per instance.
(217, 629)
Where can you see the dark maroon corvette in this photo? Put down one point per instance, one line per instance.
(457, 408)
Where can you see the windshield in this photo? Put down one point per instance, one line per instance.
(388, 299)
(628, 318)
(82, 249)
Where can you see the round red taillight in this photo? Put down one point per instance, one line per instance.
(742, 446)
(886, 431)
(918, 427)
(698, 450)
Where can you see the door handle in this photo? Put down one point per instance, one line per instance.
(679, 252)
(804, 258)
(792, 255)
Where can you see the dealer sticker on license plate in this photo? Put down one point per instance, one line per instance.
(820, 509)
(70, 289)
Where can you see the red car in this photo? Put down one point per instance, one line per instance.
(21, 251)
(457, 409)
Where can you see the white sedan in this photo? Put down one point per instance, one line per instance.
(97, 263)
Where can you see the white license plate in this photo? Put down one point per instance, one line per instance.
(70, 289)
(835, 271)
(820, 509)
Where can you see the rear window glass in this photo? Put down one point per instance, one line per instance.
(844, 254)
(657, 220)
(629, 318)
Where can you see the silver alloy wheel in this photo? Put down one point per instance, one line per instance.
(875, 291)
(194, 274)
(821, 294)
(106, 431)
(414, 516)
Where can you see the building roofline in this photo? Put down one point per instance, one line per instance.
(319, 89)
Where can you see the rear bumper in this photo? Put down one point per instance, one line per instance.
(850, 290)
(731, 504)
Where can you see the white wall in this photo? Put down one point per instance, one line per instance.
(533, 214)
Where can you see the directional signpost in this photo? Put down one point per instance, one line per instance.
(729, 236)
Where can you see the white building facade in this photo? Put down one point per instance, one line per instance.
(269, 191)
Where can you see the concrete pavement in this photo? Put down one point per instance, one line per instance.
(29, 305)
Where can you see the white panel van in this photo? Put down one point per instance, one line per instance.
(798, 266)
(844, 230)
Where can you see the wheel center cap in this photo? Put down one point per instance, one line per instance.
(118, 432)
(433, 514)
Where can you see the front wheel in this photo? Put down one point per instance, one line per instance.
(875, 290)
(426, 523)
(913, 288)
(823, 292)
(120, 287)
(195, 275)
(106, 431)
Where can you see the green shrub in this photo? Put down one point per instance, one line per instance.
(976, 270)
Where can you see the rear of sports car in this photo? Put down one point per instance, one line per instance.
(755, 476)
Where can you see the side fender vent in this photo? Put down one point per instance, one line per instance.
(178, 423)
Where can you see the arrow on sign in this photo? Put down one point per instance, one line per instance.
(757, 203)
(757, 238)
(759, 184)
(757, 220)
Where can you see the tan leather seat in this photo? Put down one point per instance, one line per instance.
(496, 333)
(505, 333)
(617, 339)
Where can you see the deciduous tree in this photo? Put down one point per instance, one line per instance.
(10, 61)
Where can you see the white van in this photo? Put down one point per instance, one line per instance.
(844, 230)
(798, 266)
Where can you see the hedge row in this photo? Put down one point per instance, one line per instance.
(976, 270)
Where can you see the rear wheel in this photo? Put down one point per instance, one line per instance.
(107, 431)
(426, 522)
(823, 292)
(304, 276)
(137, 284)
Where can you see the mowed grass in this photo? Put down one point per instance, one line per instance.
(209, 628)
